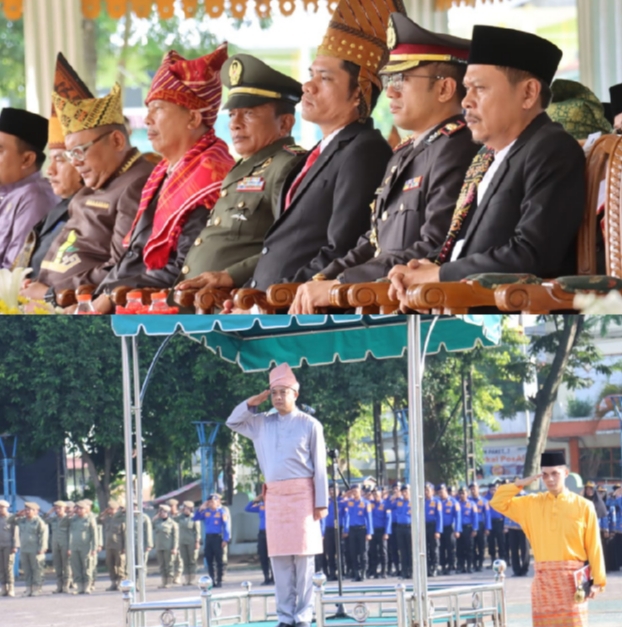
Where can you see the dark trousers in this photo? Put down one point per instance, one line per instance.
(393, 556)
(431, 546)
(213, 556)
(465, 548)
(330, 553)
(616, 550)
(264, 560)
(479, 544)
(519, 552)
(378, 553)
(404, 544)
(357, 540)
(496, 541)
(448, 549)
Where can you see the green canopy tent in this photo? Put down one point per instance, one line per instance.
(257, 342)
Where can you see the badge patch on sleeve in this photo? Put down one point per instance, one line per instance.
(251, 184)
(413, 183)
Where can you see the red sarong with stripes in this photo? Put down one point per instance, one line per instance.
(552, 596)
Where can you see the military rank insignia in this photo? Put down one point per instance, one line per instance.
(413, 183)
(295, 150)
(452, 127)
(251, 184)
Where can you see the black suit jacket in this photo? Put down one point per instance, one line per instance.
(414, 206)
(529, 216)
(329, 211)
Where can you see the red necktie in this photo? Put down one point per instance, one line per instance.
(311, 159)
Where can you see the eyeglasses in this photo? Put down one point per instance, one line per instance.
(79, 152)
(397, 80)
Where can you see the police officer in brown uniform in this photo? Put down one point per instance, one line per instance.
(59, 522)
(9, 543)
(113, 522)
(415, 201)
(261, 108)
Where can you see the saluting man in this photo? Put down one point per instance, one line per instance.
(166, 534)
(33, 533)
(485, 524)
(189, 541)
(292, 456)
(452, 526)
(83, 544)
(470, 523)
(9, 543)
(433, 528)
(381, 523)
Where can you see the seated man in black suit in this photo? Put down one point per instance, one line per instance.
(324, 204)
(523, 198)
(415, 202)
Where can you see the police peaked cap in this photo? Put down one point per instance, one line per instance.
(252, 83)
(29, 127)
(506, 47)
(410, 45)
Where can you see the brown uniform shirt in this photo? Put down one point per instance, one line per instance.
(91, 241)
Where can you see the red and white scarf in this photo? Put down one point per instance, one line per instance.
(195, 181)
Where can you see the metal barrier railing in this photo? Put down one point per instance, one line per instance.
(371, 606)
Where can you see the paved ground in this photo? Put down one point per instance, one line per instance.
(104, 609)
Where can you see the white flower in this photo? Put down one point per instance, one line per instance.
(10, 284)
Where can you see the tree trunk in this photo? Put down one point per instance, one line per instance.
(545, 399)
(379, 446)
(103, 490)
(122, 65)
(396, 446)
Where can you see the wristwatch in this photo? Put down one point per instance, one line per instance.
(50, 297)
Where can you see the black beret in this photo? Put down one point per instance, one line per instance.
(506, 47)
(615, 93)
(252, 83)
(29, 127)
(553, 458)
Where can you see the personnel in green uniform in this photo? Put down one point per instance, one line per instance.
(113, 523)
(189, 541)
(33, 533)
(261, 116)
(175, 514)
(82, 546)
(59, 523)
(166, 536)
(9, 543)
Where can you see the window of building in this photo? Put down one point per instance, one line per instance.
(600, 463)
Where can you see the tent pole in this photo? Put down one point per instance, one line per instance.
(140, 545)
(127, 435)
(416, 454)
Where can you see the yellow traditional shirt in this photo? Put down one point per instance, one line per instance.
(559, 528)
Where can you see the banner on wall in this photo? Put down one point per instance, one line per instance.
(503, 461)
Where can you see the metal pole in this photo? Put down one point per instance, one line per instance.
(127, 436)
(415, 422)
(141, 566)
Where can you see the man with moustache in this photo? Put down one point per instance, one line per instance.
(414, 205)
(323, 209)
(262, 112)
(65, 180)
(181, 192)
(101, 214)
(523, 197)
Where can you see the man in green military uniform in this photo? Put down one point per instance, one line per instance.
(189, 541)
(82, 546)
(113, 523)
(261, 116)
(33, 533)
(166, 532)
(9, 543)
(177, 564)
(59, 523)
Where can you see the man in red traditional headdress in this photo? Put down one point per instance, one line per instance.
(183, 103)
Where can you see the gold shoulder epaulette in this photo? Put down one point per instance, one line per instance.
(404, 142)
(295, 150)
